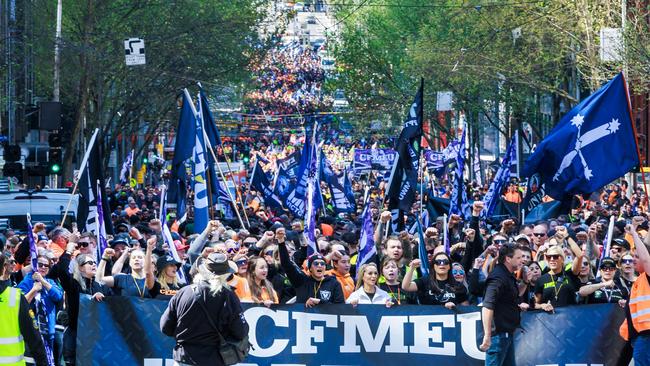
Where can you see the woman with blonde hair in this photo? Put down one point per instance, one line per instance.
(262, 291)
(367, 291)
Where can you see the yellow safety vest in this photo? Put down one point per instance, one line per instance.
(12, 346)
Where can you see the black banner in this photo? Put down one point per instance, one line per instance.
(125, 331)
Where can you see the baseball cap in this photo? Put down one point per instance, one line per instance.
(217, 264)
(621, 243)
(164, 261)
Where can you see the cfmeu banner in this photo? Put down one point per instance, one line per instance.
(366, 160)
(125, 331)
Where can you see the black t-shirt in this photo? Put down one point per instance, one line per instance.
(605, 295)
(166, 294)
(449, 291)
(559, 289)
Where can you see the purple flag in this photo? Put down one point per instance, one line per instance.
(102, 243)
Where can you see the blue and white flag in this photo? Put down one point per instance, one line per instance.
(167, 234)
(591, 146)
(367, 247)
(102, 242)
(295, 195)
(126, 168)
(199, 169)
(183, 151)
(500, 179)
(340, 198)
(458, 201)
(313, 199)
(33, 252)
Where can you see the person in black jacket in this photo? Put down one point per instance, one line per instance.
(82, 281)
(186, 316)
(315, 288)
(28, 327)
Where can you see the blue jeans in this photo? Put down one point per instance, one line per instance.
(642, 350)
(501, 351)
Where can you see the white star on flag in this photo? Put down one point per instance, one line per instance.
(577, 120)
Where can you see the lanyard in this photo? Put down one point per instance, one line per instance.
(399, 294)
(555, 288)
(141, 293)
(317, 288)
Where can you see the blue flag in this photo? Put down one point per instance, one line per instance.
(260, 182)
(102, 242)
(314, 199)
(340, 197)
(167, 234)
(126, 168)
(183, 150)
(33, 252)
(296, 195)
(458, 201)
(403, 178)
(591, 146)
(422, 251)
(500, 179)
(199, 170)
(214, 140)
(367, 247)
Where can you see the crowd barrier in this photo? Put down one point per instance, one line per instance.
(125, 331)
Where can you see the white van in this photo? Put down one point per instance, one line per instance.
(45, 206)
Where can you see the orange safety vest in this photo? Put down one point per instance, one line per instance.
(639, 307)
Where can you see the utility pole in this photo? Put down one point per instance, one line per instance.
(57, 51)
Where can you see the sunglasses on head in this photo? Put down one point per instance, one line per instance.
(539, 235)
(627, 261)
(43, 265)
(457, 272)
(553, 257)
(441, 262)
(83, 244)
(90, 261)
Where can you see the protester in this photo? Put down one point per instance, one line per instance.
(440, 287)
(140, 282)
(262, 291)
(201, 315)
(501, 308)
(367, 291)
(17, 326)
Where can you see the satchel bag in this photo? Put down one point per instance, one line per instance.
(231, 352)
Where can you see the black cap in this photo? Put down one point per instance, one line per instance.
(120, 239)
(621, 243)
(164, 261)
(607, 262)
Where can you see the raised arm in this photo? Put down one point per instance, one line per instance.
(150, 279)
(294, 273)
(101, 268)
(384, 219)
(407, 282)
(119, 263)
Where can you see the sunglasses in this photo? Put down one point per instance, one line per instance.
(269, 253)
(43, 265)
(318, 263)
(457, 272)
(441, 262)
(91, 262)
(83, 244)
(242, 262)
(539, 235)
(499, 241)
(607, 269)
(627, 261)
(552, 257)
(232, 250)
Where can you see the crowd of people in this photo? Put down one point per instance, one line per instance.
(290, 81)
(566, 260)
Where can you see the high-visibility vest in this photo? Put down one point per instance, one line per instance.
(639, 307)
(12, 346)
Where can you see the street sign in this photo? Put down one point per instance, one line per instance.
(134, 51)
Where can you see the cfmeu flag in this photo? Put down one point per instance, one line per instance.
(458, 202)
(500, 179)
(403, 179)
(201, 215)
(591, 146)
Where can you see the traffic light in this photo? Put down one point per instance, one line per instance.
(12, 153)
(145, 161)
(55, 160)
(54, 140)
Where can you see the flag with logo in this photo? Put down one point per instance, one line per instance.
(340, 198)
(500, 180)
(314, 198)
(403, 179)
(367, 247)
(199, 173)
(458, 201)
(183, 151)
(591, 146)
(102, 242)
(126, 168)
(89, 179)
(261, 183)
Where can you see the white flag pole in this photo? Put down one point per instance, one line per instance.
(84, 162)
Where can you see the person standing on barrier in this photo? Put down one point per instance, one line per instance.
(203, 316)
(17, 326)
(501, 308)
